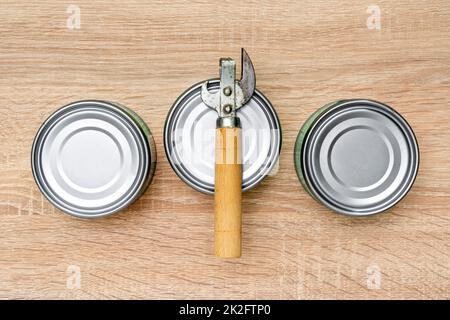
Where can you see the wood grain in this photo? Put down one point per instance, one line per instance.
(228, 193)
(144, 55)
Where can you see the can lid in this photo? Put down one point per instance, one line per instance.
(189, 139)
(360, 157)
(90, 159)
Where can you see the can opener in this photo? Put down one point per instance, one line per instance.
(233, 94)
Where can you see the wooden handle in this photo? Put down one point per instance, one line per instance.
(228, 191)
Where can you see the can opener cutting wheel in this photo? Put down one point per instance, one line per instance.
(232, 95)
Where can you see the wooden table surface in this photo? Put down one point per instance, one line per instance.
(144, 54)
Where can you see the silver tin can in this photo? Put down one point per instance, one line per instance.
(189, 139)
(93, 158)
(357, 157)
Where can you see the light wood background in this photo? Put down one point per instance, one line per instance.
(144, 54)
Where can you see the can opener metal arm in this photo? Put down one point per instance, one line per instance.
(232, 95)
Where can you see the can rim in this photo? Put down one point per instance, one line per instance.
(145, 174)
(211, 83)
(387, 111)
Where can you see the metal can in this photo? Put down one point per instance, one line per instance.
(93, 158)
(357, 157)
(189, 139)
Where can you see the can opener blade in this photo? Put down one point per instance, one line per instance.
(233, 94)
